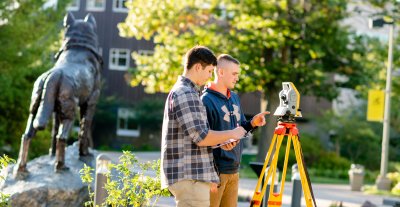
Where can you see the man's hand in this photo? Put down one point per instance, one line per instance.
(259, 119)
(230, 146)
(238, 132)
(214, 188)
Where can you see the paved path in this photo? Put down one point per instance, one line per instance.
(325, 194)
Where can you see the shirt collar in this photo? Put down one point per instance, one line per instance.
(212, 86)
(187, 81)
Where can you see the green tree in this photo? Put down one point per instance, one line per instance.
(276, 41)
(29, 35)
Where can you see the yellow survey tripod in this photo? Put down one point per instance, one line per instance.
(286, 112)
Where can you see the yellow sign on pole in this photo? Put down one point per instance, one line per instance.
(376, 105)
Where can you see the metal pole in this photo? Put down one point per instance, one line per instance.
(100, 193)
(296, 187)
(383, 183)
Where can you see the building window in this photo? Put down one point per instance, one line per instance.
(73, 6)
(127, 125)
(119, 6)
(119, 59)
(144, 53)
(95, 5)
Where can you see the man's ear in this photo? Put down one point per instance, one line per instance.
(220, 72)
(197, 66)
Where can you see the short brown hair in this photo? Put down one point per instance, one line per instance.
(228, 58)
(199, 54)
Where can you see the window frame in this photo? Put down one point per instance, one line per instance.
(146, 52)
(74, 8)
(126, 114)
(117, 55)
(119, 9)
(94, 8)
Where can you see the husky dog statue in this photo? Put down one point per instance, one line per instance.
(73, 82)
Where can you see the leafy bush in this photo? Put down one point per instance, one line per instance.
(356, 139)
(370, 176)
(104, 122)
(149, 113)
(40, 144)
(127, 184)
(315, 155)
(329, 160)
(395, 178)
(4, 161)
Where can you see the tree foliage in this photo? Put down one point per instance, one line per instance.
(298, 41)
(275, 40)
(29, 35)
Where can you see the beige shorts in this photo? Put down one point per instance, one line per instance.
(191, 193)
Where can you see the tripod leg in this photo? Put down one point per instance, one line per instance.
(274, 199)
(285, 163)
(258, 196)
(305, 183)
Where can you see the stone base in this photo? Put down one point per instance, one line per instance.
(383, 183)
(44, 187)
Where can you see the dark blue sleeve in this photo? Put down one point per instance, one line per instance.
(210, 111)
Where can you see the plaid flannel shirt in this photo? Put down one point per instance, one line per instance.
(184, 125)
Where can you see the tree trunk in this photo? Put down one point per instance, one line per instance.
(272, 102)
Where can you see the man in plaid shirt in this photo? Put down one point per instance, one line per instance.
(187, 166)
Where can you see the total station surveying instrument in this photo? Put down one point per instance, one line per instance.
(287, 111)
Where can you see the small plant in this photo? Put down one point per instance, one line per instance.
(4, 162)
(395, 178)
(128, 183)
(86, 177)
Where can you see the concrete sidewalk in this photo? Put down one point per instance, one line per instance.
(325, 194)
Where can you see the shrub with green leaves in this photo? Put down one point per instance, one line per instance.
(4, 198)
(394, 176)
(129, 183)
(355, 138)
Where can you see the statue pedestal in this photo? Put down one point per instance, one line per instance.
(44, 187)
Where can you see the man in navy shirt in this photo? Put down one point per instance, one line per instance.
(224, 113)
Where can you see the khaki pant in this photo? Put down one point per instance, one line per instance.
(227, 195)
(191, 193)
